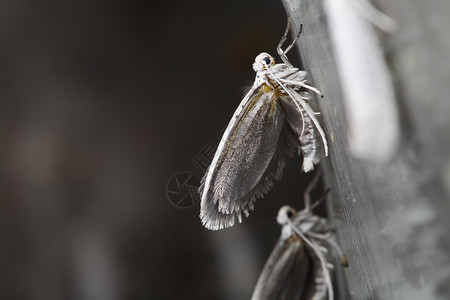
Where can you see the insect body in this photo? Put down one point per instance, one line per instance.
(273, 120)
(300, 264)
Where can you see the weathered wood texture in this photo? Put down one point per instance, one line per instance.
(391, 210)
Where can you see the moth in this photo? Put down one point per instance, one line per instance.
(301, 263)
(274, 119)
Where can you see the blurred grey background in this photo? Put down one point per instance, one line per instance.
(102, 103)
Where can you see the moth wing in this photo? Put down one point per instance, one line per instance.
(320, 287)
(249, 158)
(284, 274)
(312, 225)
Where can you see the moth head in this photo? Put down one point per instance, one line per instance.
(284, 214)
(262, 60)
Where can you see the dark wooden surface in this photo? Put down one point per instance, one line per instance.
(391, 212)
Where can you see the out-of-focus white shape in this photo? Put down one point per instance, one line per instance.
(368, 93)
(373, 15)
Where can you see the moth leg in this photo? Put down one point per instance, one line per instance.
(302, 84)
(282, 52)
(319, 236)
(312, 185)
(343, 257)
(328, 239)
(300, 101)
(282, 40)
(323, 262)
(266, 81)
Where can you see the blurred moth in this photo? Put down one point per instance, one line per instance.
(273, 120)
(300, 264)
